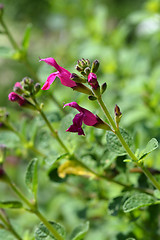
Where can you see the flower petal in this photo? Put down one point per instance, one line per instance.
(52, 62)
(73, 105)
(49, 81)
(88, 118)
(77, 124)
(62, 73)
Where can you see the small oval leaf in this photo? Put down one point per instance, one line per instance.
(31, 178)
(137, 201)
(113, 143)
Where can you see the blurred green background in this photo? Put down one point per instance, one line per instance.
(124, 36)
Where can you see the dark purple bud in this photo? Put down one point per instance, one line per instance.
(117, 111)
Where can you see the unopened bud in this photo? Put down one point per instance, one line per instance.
(87, 70)
(117, 111)
(88, 62)
(37, 87)
(27, 81)
(118, 115)
(103, 87)
(95, 66)
(78, 68)
(92, 80)
(75, 77)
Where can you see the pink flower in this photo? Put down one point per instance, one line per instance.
(61, 73)
(18, 85)
(14, 97)
(92, 80)
(84, 116)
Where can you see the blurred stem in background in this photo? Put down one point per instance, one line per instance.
(33, 208)
(7, 225)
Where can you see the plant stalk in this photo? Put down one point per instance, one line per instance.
(125, 145)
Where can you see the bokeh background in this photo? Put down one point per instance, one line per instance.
(124, 36)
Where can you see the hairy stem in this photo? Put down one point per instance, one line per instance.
(125, 145)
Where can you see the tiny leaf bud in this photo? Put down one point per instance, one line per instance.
(92, 98)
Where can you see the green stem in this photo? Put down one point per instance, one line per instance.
(49, 226)
(26, 143)
(19, 193)
(125, 145)
(11, 39)
(9, 227)
(53, 131)
(34, 210)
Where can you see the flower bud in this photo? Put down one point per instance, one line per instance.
(92, 80)
(103, 87)
(118, 115)
(14, 97)
(37, 87)
(88, 62)
(77, 78)
(87, 70)
(78, 68)
(95, 66)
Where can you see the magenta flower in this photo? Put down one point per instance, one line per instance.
(61, 73)
(92, 80)
(14, 97)
(84, 116)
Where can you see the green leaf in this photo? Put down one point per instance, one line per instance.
(6, 52)
(80, 232)
(114, 145)
(11, 204)
(26, 38)
(42, 232)
(31, 178)
(151, 146)
(138, 200)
